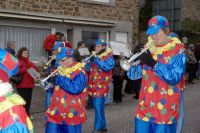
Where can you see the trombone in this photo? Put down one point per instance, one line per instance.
(127, 64)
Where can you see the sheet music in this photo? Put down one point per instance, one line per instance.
(83, 51)
(31, 71)
(120, 47)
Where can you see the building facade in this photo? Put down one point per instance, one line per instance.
(28, 22)
(176, 11)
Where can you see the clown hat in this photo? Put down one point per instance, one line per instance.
(100, 42)
(64, 52)
(8, 63)
(156, 23)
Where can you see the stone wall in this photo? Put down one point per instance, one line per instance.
(190, 9)
(123, 10)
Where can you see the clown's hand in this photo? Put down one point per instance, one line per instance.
(94, 53)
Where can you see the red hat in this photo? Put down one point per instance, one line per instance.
(3, 76)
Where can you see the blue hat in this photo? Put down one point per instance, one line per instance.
(156, 23)
(101, 42)
(172, 34)
(64, 52)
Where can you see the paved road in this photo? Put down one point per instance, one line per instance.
(120, 116)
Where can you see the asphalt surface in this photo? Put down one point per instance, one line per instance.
(120, 117)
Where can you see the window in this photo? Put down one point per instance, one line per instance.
(90, 37)
(171, 9)
(104, 2)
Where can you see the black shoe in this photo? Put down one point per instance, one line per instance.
(99, 131)
(89, 107)
(104, 130)
(117, 101)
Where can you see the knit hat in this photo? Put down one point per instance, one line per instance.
(65, 52)
(156, 23)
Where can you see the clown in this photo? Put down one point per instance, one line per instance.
(162, 72)
(66, 112)
(99, 82)
(13, 117)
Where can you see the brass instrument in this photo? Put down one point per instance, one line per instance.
(43, 81)
(94, 53)
(52, 57)
(127, 64)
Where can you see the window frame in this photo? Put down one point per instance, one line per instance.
(111, 3)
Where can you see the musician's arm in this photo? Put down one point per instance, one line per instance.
(106, 65)
(73, 86)
(135, 72)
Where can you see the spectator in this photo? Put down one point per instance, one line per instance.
(197, 56)
(11, 47)
(191, 60)
(25, 87)
(118, 78)
(81, 44)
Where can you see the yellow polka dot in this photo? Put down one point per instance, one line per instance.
(52, 112)
(84, 90)
(62, 100)
(144, 72)
(169, 122)
(142, 102)
(170, 92)
(160, 106)
(145, 119)
(99, 86)
(57, 88)
(70, 115)
(79, 100)
(155, 57)
(150, 89)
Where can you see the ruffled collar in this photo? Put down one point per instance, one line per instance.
(68, 71)
(108, 51)
(10, 100)
(156, 50)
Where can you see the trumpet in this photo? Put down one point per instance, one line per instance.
(52, 57)
(127, 64)
(44, 82)
(94, 53)
(49, 61)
